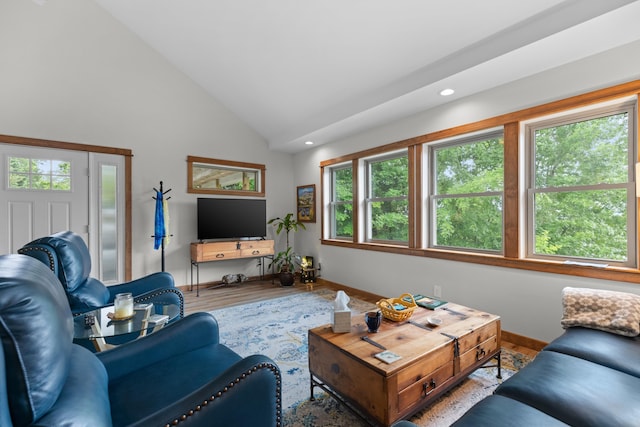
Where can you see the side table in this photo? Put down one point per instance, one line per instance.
(97, 325)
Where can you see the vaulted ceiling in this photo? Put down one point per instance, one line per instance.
(299, 70)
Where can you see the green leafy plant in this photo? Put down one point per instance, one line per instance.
(284, 261)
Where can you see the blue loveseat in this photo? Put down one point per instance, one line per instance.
(587, 377)
(180, 375)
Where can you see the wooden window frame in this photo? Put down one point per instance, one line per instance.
(513, 256)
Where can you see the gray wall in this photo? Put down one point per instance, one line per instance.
(70, 72)
(528, 302)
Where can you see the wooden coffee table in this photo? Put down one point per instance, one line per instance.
(432, 360)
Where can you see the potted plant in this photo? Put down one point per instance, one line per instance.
(284, 261)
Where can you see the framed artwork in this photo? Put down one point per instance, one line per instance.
(306, 203)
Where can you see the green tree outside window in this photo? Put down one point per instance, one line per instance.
(342, 203)
(580, 189)
(468, 194)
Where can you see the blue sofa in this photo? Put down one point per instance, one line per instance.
(67, 255)
(584, 378)
(587, 377)
(180, 375)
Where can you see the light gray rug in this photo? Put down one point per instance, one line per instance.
(278, 328)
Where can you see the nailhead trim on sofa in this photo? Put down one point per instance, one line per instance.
(220, 393)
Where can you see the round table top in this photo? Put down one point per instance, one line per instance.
(146, 316)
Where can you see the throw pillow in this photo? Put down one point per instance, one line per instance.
(610, 311)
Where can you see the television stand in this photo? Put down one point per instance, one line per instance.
(222, 251)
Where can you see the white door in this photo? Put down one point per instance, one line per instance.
(43, 191)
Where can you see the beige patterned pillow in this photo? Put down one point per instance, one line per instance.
(610, 311)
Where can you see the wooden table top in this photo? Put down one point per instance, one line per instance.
(405, 338)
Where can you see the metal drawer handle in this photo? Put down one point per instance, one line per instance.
(426, 386)
(480, 353)
(256, 252)
(219, 255)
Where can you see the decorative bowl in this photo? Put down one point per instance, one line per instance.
(434, 321)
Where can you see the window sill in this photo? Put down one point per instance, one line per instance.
(630, 275)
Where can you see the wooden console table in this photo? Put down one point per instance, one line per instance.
(222, 251)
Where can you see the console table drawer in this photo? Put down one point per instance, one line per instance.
(256, 248)
(220, 255)
(212, 251)
(219, 251)
(256, 244)
(418, 393)
(246, 253)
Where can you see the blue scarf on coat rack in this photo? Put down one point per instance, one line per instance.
(160, 231)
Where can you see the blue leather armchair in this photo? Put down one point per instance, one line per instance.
(67, 255)
(178, 375)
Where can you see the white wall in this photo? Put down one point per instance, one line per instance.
(70, 72)
(528, 302)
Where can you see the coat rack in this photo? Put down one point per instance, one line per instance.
(159, 198)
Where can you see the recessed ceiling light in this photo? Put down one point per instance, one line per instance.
(447, 92)
(309, 143)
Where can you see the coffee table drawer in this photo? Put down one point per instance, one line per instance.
(419, 392)
(474, 338)
(480, 352)
(425, 367)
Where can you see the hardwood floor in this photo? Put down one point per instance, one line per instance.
(212, 298)
(236, 294)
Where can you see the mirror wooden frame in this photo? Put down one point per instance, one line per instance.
(224, 166)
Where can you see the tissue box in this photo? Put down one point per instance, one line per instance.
(341, 321)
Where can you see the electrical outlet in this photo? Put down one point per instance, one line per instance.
(437, 291)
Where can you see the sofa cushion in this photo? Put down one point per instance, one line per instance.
(93, 294)
(501, 411)
(84, 400)
(576, 391)
(610, 311)
(614, 351)
(73, 257)
(33, 310)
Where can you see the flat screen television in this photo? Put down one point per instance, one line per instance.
(231, 218)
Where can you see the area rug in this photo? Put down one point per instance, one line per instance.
(278, 329)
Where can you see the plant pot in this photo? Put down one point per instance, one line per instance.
(287, 278)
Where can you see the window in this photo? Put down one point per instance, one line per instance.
(39, 174)
(341, 203)
(549, 188)
(466, 205)
(387, 204)
(581, 197)
(108, 223)
(107, 229)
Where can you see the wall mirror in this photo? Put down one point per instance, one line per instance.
(215, 176)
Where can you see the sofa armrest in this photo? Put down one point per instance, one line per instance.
(247, 393)
(194, 331)
(143, 285)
